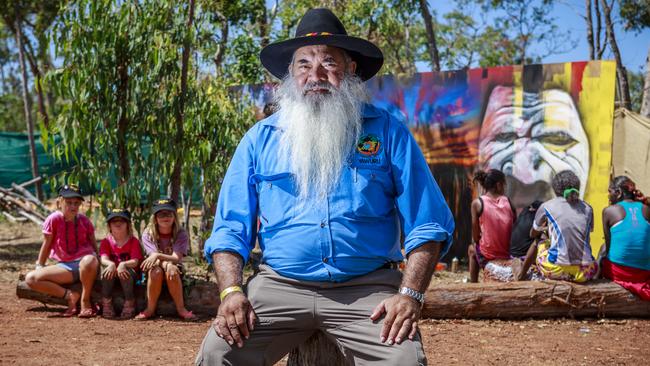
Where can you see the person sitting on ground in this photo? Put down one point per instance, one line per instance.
(568, 220)
(492, 219)
(120, 256)
(165, 244)
(626, 223)
(69, 239)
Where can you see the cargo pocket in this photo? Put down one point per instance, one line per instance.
(277, 198)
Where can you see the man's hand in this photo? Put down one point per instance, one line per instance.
(150, 262)
(123, 271)
(109, 272)
(401, 320)
(235, 319)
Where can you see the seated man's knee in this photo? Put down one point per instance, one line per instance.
(216, 351)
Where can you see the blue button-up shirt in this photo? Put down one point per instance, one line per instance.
(385, 186)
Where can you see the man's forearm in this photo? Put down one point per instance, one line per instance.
(228, 266)
(420, 266)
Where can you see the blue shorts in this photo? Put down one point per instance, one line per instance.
(72, 266)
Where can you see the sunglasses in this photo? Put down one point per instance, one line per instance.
(163, 214)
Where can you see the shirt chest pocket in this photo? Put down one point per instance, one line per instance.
(373, 193)
(276, 198)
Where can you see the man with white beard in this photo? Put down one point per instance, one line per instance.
(333, 182)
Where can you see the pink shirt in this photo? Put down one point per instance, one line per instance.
(496, 226)
(71, 247)
(130, 250)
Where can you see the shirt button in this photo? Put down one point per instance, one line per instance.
(322, 224)
(324, 260)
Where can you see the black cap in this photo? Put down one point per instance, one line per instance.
(164, 204)
(70, 191)
(119, 212)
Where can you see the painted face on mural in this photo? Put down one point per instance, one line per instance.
(531, 137)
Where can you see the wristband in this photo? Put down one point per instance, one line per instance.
(227, 291)
(38, 266)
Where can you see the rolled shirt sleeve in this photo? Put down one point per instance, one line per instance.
(236, 214)
(423, 212)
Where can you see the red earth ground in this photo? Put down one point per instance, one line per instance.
(34, 335)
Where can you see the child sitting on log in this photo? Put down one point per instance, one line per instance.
(492, 219)
(69, 239)
(120, 256)
(626, 223)
(567, 221)
(165, 244)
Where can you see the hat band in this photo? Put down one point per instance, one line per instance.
(317, 34)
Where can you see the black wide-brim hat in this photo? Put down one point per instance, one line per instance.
(322, 27)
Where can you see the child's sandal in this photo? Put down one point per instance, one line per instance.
(70, 311)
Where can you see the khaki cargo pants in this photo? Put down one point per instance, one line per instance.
(290, 311)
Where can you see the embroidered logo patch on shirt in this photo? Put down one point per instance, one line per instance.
(369, 145)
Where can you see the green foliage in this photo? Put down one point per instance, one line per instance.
(635, 14)
(121, 84)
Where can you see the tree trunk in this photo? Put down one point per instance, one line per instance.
(645, 102)
(599, 29)
(532, 299)
(431, 36)
(590, 30)
(28, 109)
(180, 111)
(620, 69)
(38, 79)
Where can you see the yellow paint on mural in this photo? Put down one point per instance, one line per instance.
(596, 109)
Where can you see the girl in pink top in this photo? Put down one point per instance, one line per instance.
(69, 239)
(492, 218)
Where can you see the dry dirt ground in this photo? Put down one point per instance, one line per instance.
(34, 335)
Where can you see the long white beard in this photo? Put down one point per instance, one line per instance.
(319, 131)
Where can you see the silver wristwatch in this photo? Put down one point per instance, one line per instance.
(417, 296)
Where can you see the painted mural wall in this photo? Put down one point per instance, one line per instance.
(528, 121)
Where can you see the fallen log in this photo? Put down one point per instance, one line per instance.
(532, 299)
(30, 197)
(202, 297)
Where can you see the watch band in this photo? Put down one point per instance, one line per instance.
(417, 296)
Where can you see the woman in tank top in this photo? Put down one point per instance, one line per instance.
(626, 223)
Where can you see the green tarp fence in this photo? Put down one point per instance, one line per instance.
(15, 165)
(15, 161)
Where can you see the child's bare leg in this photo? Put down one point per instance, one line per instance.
(473, 264)
(154, 286)
(48, 280)
(87, 274)
(175, 287)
